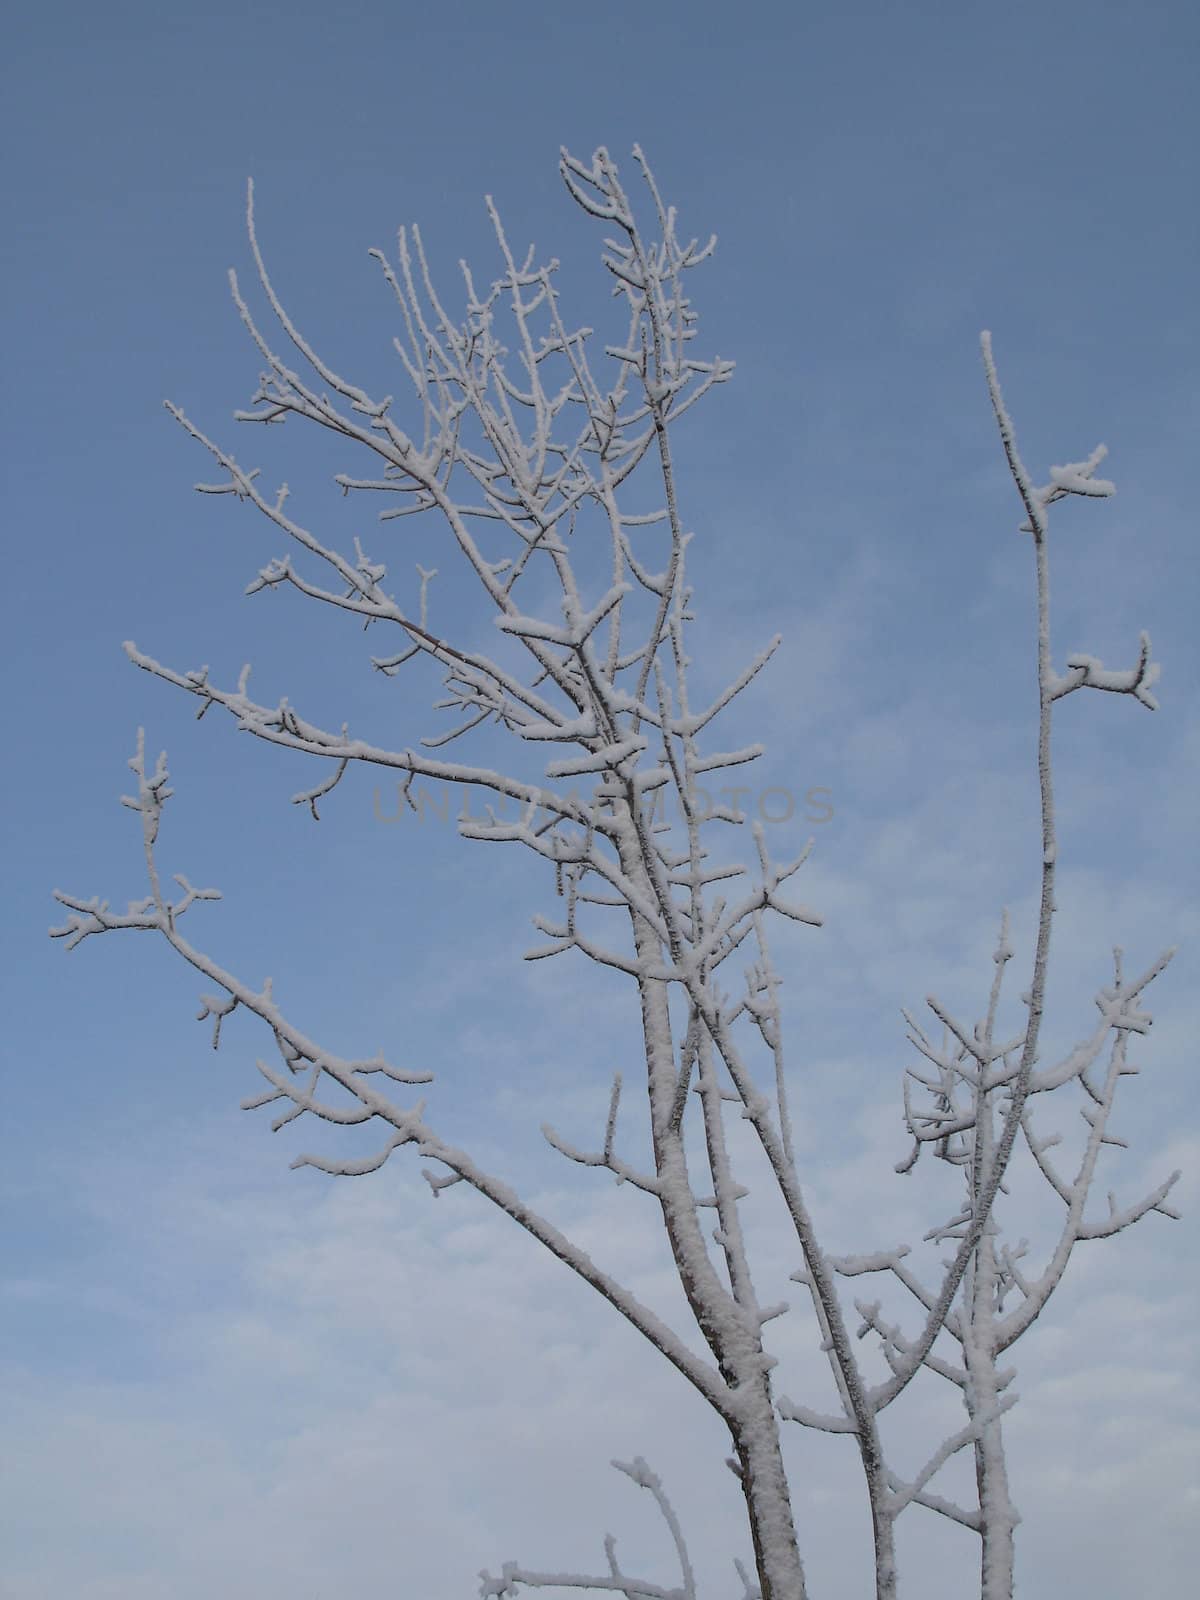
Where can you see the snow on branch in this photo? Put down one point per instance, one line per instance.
(300, 1053)
(905, 1494)
(606, 1157)
(520, 446)
(512, 1574)
(1085, 672)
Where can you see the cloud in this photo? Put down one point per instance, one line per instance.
(380, 1392)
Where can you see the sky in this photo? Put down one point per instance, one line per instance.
(217, 1374)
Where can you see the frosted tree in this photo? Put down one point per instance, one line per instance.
(534, 460)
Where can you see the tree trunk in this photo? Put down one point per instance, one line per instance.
(768, 1500)
(738, 1349)
(998, 1517)
(883, 1527)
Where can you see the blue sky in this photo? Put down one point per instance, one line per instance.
(206, 1359)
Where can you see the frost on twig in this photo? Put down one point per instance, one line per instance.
(973, 1099)
(606, 1157)
(307, 1066)
(512, 1574)
(522, 442)
(542, 459)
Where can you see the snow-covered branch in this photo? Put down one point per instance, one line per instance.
(512, 1574)
(526, 446)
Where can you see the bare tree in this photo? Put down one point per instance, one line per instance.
(529, 460)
